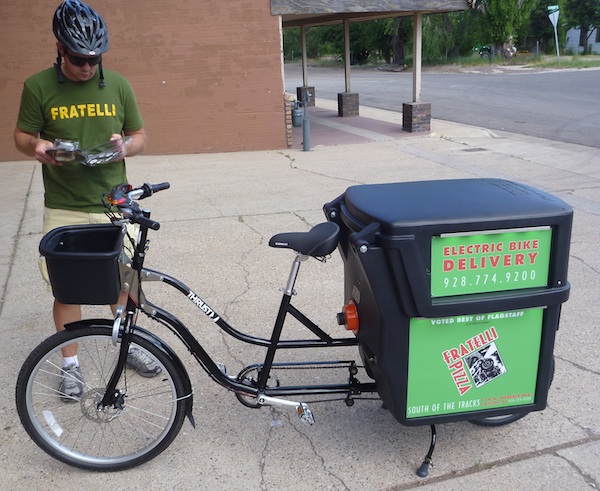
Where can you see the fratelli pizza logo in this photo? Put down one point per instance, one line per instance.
(475, 362)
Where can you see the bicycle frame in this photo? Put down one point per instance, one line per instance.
(132, 279)
(256, 385)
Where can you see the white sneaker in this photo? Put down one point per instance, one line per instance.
(71, 384)
(142, 363)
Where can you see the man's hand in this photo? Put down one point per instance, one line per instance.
(119, 146)
(40, 153)
(34, 146)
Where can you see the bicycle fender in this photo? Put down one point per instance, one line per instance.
(160, 344)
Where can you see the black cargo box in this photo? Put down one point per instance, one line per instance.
(458, 286)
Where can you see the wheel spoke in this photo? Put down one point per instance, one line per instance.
(83, 433)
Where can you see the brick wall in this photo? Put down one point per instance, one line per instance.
(207, 73)
(416, 116)
(288, 105)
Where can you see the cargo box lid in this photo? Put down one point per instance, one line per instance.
(403, 207)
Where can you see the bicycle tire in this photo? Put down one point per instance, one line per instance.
(78, 433)
(505, 419)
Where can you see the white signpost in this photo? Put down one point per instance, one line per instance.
(553, 16)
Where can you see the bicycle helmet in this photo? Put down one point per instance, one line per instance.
(79, 28)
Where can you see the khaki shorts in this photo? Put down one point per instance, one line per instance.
(54, 218)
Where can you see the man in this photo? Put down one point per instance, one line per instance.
(77, 100)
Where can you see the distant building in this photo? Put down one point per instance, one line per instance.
(573, 37)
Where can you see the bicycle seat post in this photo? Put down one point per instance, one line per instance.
(288, 291)
(289, 288)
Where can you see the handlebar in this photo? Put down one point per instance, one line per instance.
(146, 222)
(124, 197)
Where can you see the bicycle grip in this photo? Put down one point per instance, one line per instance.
(147, 222)
(160, 187)
(149, 189)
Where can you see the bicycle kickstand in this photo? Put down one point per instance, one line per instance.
(304, 413)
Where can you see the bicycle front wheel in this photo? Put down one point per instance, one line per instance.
(74, 429)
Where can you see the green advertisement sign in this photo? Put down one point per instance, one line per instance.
(473, 362)
(500, 260)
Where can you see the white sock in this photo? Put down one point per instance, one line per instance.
(70, 360)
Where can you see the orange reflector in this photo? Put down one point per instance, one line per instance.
(351, 317)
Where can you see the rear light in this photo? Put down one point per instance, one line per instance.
(349, 317)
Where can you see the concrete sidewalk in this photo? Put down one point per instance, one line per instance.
(373, 125)
(216, 221)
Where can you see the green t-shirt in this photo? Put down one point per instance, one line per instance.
(83, 112)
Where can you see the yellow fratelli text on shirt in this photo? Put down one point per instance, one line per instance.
(82, 111)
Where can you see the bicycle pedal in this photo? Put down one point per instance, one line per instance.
(305, 414)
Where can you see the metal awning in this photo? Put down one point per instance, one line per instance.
(307, 13)
(308, 20)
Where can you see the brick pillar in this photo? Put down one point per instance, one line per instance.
(348, 104)
(288, 106)
(416, 116)
(311, 92)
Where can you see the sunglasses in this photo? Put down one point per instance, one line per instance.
(80, 61)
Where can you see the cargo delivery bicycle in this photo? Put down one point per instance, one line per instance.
(122, 419)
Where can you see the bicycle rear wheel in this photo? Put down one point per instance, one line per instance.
(508, 418)
(77, 432)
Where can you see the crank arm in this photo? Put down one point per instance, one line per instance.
(304, 413)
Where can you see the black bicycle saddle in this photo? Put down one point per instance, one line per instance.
(319, 241)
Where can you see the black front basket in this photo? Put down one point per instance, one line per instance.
(83, 263)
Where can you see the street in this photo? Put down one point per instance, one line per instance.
(560, 105)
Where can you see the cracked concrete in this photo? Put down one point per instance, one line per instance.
(216, 221)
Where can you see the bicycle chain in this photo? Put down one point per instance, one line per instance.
(314, 401)
(316, 367)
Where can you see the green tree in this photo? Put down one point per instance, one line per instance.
(447, 35)
(434, 39)
(320, 41)
(400, 32)
(505, 18)
(292, 44)
(369, 40)
(585, 15)
(468, 31)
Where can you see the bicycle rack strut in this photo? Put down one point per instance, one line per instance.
(304, 413)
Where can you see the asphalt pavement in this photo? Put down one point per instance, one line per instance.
(217, 219)
(557, 104)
